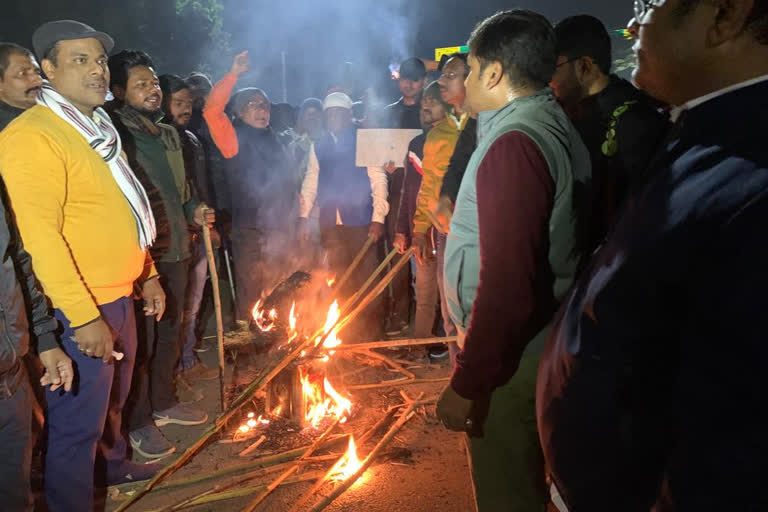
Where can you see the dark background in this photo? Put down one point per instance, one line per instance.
(316, 36)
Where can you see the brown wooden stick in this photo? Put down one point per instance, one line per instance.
(355, 262)
(376, 291)
(390, 362)
(252, 447)
(398, 382)
(347, 483)
(217, 304)
(257, 385)
(356, 296)
(321, 481)
(395, 343)
(288, 472)
(245, 491)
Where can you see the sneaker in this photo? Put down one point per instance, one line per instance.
(180, 415)
(200, 348)
(186, 393)
(200, 372)
(396, 327)
(150, 443)
(127, 472)
(438, 351)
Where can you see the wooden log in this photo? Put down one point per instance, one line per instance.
(397, 382)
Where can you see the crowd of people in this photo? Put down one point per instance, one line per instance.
(589, 242)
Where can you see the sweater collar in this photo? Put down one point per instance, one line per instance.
(489, 120)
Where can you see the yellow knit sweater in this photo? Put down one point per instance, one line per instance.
(73, 219)
(438, 149)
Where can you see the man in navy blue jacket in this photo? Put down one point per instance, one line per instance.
(651, 391)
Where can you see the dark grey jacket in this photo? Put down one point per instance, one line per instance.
(20, 299)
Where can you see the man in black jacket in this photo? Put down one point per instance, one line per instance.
(19, 81)
(20, 297)
(619, 124)
(650, 391)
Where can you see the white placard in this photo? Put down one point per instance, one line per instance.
(377, 147)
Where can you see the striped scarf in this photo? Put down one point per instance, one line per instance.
(102, 136)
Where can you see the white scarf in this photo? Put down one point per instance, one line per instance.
(102, 136)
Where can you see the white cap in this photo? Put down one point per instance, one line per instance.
(337, 99)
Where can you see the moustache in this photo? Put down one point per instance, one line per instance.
(33, 89)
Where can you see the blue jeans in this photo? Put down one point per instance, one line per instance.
(76, 420)
(198, 270)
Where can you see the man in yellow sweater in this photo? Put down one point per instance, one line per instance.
(438, 149)
(85, 220)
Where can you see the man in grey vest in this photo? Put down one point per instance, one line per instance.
(512, 252)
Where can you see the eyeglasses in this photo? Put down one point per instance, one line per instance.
(643, 6)
(258, 105)
(451, 75)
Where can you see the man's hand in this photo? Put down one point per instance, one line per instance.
(154, 298)
(376, 231)
(205, 215)
(95, 339)
(441, 217)
(58, 369)
(400, 243)
(453, 410)
(215, 239)
(302, 230)
(390, 167)
(420, 249)
(241, 64)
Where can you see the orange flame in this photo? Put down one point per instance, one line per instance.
(349, 464)
(265, 324)
(333, 316)
(322, 402)
(292, 317)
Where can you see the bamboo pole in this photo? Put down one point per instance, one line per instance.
(356, 296)
(397, 382)
(395, 343)
(288, 472)
(257, 385)
(245, 491)
(355, 262)
(217, 305)
(364, 438)
(347, 483)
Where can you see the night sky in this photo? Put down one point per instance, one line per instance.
(317, 37)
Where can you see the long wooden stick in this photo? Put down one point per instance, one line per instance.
(288, 472)
(376, 291)
(355, 262)
(395, 343)
(347, 483)
(245, 491)
(352, 300)
(217, 305)
(397, 382)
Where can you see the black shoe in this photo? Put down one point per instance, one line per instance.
(438, 351)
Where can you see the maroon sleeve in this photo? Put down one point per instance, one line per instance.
(515, 195)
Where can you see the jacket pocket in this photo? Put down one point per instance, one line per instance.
(8, 354)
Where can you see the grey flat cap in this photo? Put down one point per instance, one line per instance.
(47, 35)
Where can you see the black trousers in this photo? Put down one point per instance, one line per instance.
(16, 445)
(400, 299)
(342, 244)
(159, 348)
